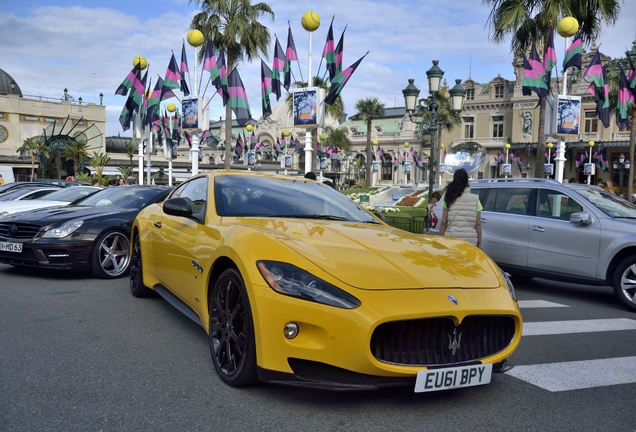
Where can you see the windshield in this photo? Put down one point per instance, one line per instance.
(25, 194)
(609, 203)
(124, 197)
(264, 196)
(70, 194)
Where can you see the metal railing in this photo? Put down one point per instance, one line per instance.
(414, 224)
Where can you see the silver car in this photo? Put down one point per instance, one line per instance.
(570, 232)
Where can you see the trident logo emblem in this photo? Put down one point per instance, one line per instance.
(454, 341)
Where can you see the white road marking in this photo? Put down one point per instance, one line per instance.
(528, 304)
(577, 326)
(556, 377)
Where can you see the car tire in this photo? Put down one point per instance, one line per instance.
(137, 287)
(111, 255)
(232, 342)
(624, 282)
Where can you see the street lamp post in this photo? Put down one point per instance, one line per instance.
(433, 124)
(67, 97)
(374, 172)
(101, 98)
(621, 165)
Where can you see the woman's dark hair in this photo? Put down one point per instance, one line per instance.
(456, 187)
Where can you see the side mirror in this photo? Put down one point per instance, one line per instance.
(580, 218)
(177, 207)
(379, 216)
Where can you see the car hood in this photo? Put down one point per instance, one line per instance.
(374, 257)
(57, 215)
(20, 206)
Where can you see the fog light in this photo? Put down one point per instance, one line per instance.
(291, 330)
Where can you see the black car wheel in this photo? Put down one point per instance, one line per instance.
(232, 331)
(137, 287)
(625, 282)
(111, 255)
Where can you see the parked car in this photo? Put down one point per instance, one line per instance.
(570, 232)
(22, 184)
(88, 235)
(27, 194)
(296, 284)
(63, 197)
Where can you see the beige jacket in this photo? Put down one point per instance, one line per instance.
(462, 216)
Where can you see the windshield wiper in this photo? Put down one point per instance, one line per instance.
(312, 216)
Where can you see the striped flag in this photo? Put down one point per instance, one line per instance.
(253, 141)
(266, 89)
(339, 81)
(625, 96)
(152, 109)
(290, 55)
(238, 148)
(338, 52)
(278, 69)
(599, 87)
(238, 98)
(549, 56)
(208, 139)
(210, 65)
(171, 80)
(573, 55)
(184, 69)
(534, 79)
(223, 87)
(329, 54)
(631, 79)
(128, 81)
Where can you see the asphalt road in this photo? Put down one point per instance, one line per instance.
(80, 354)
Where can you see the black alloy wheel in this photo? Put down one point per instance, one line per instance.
(232, 331)
(137, 287)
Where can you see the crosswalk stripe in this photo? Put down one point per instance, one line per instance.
(557, 377)
(528, 304)
(577, 326)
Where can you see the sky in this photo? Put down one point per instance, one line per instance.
(88, 47)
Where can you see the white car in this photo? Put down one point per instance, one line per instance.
(62, 197)
(28, 193)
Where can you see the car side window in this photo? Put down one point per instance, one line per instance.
(555, 204)
(513, 200)
(196, 192)
(486, 197)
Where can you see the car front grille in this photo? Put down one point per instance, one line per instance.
(437, 341)
(18, 230)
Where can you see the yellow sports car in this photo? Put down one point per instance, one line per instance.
(296, 284)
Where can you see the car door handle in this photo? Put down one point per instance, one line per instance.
(158, 224)
(538, 228)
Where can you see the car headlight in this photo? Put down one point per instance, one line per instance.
(511, 287)
(290, 280)
(4, 214)
(67, 228)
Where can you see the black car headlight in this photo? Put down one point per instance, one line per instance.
(66, 229)
(511, 287)
(290, 280)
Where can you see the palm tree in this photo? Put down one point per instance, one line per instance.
(34, 148)
(232, 26)
(130, 152)
(368, 109)
(527, 20)
(76, 151)
(126, 172)
(99, 161)
(338, 138)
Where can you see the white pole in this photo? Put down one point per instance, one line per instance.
(149, 146)
(194, 154)
(140, 145)
(308, 143)
(560, 156)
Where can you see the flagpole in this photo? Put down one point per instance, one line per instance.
(308, 148)
(560, 153)
(194, 148)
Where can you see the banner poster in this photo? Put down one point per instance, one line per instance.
(305, 109)
(375, 166)
(323, 163)
(288, 161)
(190, 119)
(251, 158)
(506, 169)
(589, 169)
(568, 115)
(442, 169)
(407, 167)
(548, 169)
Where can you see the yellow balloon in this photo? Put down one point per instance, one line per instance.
(141, 60)
(195, 38)
(310, 21)
(171, 107)
(567, 27)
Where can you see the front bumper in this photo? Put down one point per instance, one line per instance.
(63, 254)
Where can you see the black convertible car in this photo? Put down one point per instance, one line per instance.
(90, 235)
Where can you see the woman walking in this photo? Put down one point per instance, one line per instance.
(461, 217)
